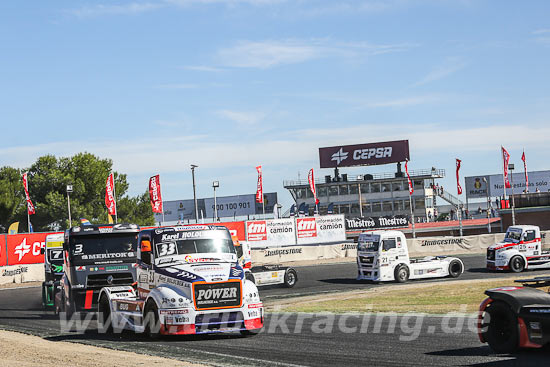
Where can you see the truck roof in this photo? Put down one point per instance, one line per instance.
(385, 233)
(89, 229)
(525, 227)
(198, 227)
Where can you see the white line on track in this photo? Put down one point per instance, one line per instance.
(30, 286)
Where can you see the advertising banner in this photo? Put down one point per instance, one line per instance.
(3, 252)
(25, 248)
(370, 223)
(288, 254)
(231, 206)
(328, 228)
(476, 187)
(364, 154)
(268, 233)
(155, 194)
(22, 273)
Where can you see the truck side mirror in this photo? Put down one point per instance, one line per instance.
(42, 250)
(145, 246)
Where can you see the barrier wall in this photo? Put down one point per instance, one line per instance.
(275, 255)
(22, 273)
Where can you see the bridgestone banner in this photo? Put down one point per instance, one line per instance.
(370, 223)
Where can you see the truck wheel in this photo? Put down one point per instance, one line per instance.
(291, 277)
(151, 321)
(502, 333)
(250, 276)
(44, 301)
(104, 322)
(455, 269)
(517, 265)
(401, 274)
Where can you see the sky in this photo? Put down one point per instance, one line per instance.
(158, 85)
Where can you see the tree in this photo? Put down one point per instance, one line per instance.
(48, 178)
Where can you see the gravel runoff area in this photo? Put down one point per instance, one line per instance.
(26, 351)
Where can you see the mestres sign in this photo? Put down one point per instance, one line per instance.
(364, 154)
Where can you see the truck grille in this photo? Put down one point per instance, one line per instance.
(490, 254)
(367, 260)
(100, 280)
(217, 295)
(221, 320)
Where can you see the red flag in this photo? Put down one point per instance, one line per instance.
(525, 169)
(458, 187)
(505, 159)
(110, 195)
(411, 189)
(154, 194)
(30, 207)
(311, 180)
(260, 188)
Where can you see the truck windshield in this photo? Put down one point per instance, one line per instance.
(369, 245)
(195, 246)
(512, 236)
(97, 249)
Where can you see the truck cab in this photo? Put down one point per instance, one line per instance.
(53, 267)
(189, 281)
(521, 249)
(95, 256)
(384, 256)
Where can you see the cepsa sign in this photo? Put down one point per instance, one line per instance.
(25, 248)
(364, 154)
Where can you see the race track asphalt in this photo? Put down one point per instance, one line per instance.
(300, 340)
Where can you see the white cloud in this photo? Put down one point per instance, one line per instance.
(542, 31)
(270, 53)
(119, 9)
(242, 117)
(203, 68)
(451, 66)
(177, 86)
(402, 102)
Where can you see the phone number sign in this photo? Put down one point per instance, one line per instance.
(229, 206)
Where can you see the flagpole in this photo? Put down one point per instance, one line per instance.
(28, 219)
(412, 214)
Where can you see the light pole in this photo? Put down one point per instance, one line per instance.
(215, 185)
(511, 168)
(69, 190)
(359, 179)
(193, 166)
(488, 205)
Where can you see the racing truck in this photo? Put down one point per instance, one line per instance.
(189, 282)
(95, 256)
(516, 317)
(520, 250)
(384, 256)
(53, 268)
(263, 274)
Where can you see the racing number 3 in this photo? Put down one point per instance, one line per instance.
(167, 249)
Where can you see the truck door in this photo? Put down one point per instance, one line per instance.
(389, 249)
(529, 245)
(145, 269)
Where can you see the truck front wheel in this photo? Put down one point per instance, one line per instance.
(517, 265)
(104, 322)
(401, 274)
(290, 278)
(455, 269)
(502, 333)
(152, 321)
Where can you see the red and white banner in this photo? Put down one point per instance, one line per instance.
(525, 170)
(411, 189)
(25, 248)
(260, 188)
(311, 179)
(256, 230)
(110, 201)
(505, 160)
(30, 207)
(154, 194)
(458, 187)
(306, 227)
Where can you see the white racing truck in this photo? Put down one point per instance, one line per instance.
(384, 256)
(188, 282)
(263, 274)
(520, 250)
